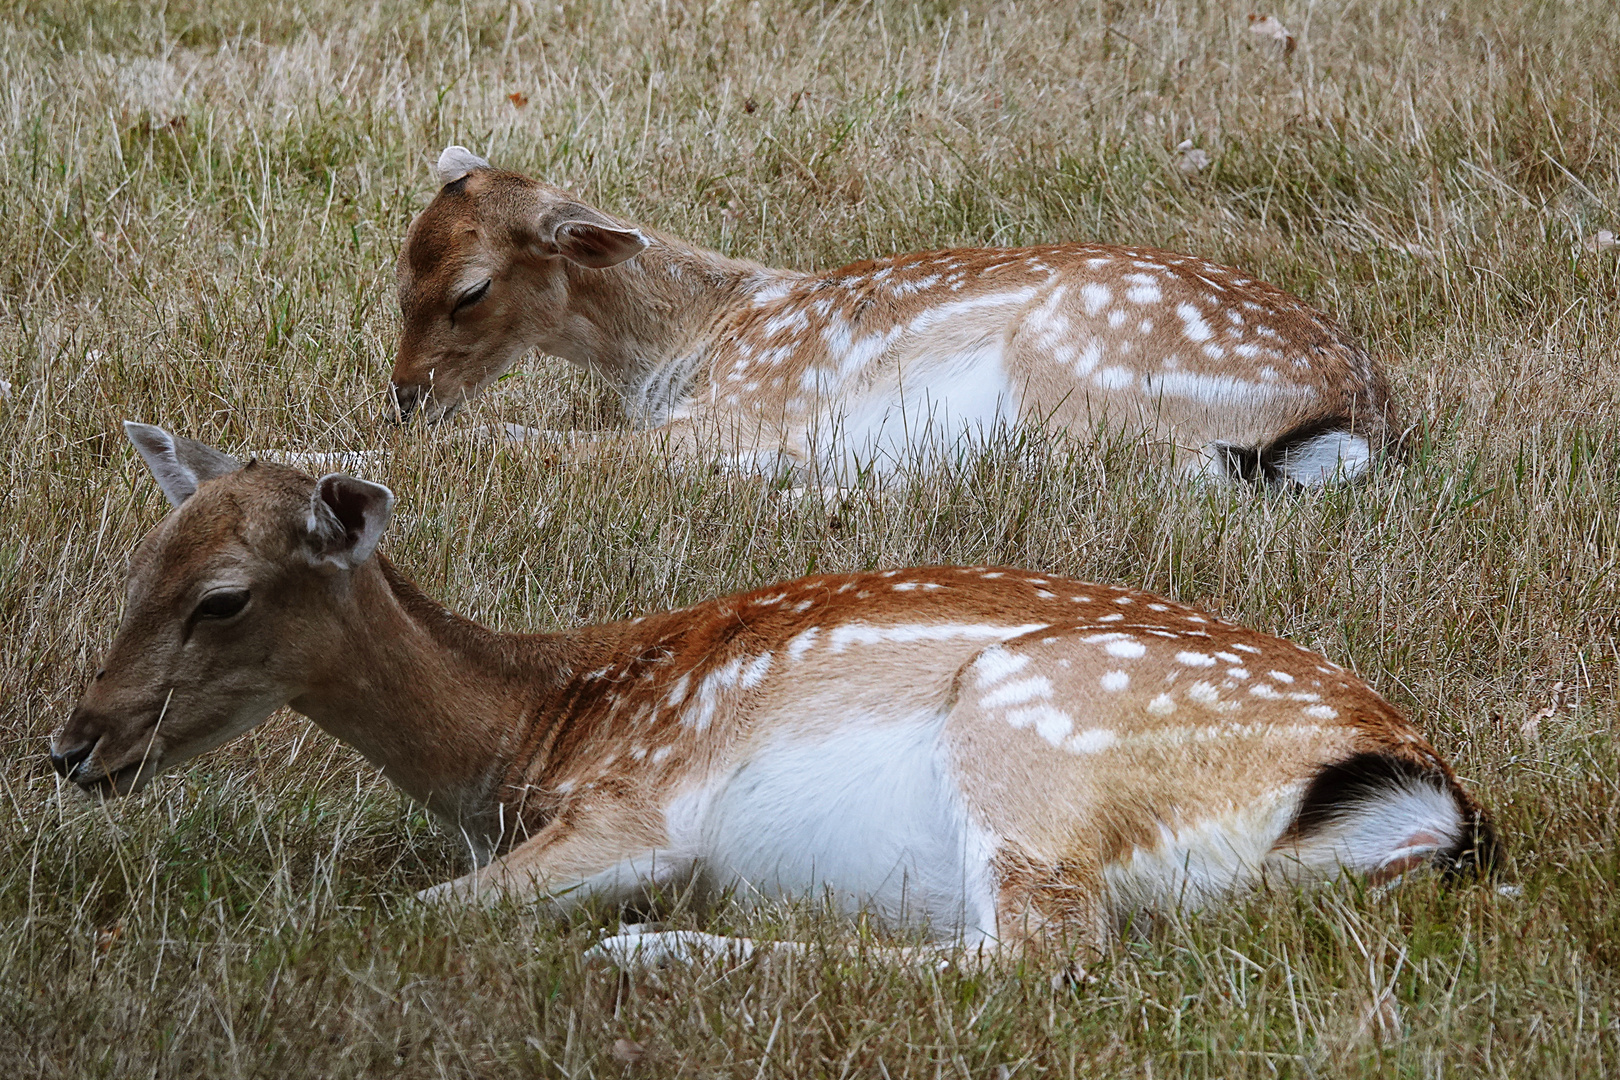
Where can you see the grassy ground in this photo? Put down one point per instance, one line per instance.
(201, 205)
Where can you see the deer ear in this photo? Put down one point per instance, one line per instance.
(346, 519)
(590, 238)
(178, 463)
(456, 162)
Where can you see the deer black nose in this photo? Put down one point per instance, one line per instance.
(65, 761)
(405, 401)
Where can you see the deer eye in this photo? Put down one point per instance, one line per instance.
(470, 297)
(222, 603)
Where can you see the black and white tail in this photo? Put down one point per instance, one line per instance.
(1315, 454)
(1382, 815)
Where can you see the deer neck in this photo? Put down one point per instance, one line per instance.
(648, 324)
(437, 702)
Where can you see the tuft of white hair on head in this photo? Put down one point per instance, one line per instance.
(456, 162)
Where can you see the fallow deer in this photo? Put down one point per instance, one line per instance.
(884, 362)
(998, 756)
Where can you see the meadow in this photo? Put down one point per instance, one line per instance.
(200, 206)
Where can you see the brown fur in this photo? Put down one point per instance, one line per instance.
(769, 367)
(566, 751)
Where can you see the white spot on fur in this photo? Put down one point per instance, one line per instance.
(1017, 693)
(754, 673)
(1219, 390)
(1115, 681)
(1193, 323)
(1114, 378)
(841, 637)
(1096, 296)
(1090, 356)
(1091, 741)
(802, 643)
(996, 663)
(1193, 659)
(1051, 724)
(775, 290)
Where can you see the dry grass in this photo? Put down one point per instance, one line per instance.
(201, 203)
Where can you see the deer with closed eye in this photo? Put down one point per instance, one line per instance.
(999, 757)
(881, 363)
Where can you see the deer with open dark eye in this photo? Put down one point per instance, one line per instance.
(1000, 756)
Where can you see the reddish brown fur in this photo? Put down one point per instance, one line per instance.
(1078, 722)
(774, 368)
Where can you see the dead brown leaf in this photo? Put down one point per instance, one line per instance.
(628, 1051)
(1561, 699)
(518, 98)
(108, 936)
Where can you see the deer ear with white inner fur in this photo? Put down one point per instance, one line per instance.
(456, 162)
(179, 464)
(346, 519)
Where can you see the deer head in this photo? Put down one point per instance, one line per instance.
(488, 271)
(232, 602)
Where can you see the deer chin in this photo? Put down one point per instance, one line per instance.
(150, 754)
(408, 404)
(410, 401)
(128, 778)
(436, 412)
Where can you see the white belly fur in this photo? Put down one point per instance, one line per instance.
(866, 814)
(935, 406)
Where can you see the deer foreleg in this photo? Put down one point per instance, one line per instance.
(613, 859)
